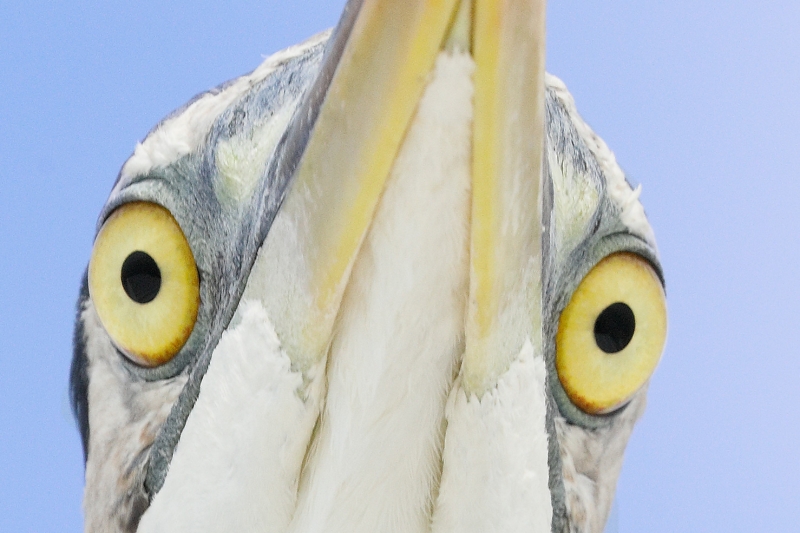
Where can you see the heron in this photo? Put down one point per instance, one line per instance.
(389, 281)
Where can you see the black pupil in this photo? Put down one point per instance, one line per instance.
(141, 277)
(614, 328)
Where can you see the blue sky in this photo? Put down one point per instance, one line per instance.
(699, 100)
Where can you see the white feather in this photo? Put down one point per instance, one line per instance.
(375, 463)
(239, 457)
(496, 472)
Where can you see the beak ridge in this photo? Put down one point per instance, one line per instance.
(507, 218)
(379, 64)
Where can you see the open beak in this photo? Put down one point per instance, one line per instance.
(375, 71)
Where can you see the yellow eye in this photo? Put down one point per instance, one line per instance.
(143, 282)
(611, 334)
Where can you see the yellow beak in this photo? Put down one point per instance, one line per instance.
(380, 58)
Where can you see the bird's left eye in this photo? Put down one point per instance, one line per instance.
(144, 283)
(611, 334)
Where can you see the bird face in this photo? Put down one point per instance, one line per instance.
(388, 281)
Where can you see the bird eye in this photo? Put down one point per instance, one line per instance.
(611, 334)
(144, 283)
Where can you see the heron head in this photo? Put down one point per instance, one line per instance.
(388, 281)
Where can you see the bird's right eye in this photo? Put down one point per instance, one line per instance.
(144, 283)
